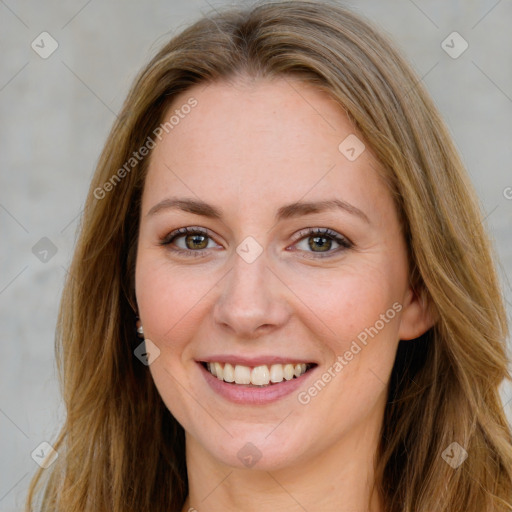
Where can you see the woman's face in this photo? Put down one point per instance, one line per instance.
(270, 280)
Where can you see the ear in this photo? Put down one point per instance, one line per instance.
(417, 317)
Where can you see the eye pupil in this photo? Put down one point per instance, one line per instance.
(324, 246)
(195, 237)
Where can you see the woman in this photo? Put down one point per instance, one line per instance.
(280, 214)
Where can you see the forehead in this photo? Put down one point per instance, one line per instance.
(280, 138)
(276, 119)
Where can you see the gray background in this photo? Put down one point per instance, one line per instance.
(55, 114)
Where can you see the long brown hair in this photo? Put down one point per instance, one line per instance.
(120, 449)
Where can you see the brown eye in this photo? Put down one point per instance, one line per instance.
(321, 240)
(189, 241)
(196, 241)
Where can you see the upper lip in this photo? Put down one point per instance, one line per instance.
(254, 361)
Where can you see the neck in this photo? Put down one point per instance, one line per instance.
(339, 478)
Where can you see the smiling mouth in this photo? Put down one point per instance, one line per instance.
(259, 376)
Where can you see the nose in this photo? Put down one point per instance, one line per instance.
(253, 300)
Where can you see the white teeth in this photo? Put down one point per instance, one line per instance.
(276, 373)
(299, 369)
(288, 371)
(229, 373)
(258, 375)
(242, 374)
(219, 372)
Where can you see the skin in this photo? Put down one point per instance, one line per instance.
(248, 148)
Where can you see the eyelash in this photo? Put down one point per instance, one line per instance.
(344, 243)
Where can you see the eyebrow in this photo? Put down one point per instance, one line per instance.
(292, 210)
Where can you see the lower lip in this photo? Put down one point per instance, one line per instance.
(247, 394)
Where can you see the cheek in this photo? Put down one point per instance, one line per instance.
(344, 303)
(169, 299)
(170, 303)
(356, 319)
